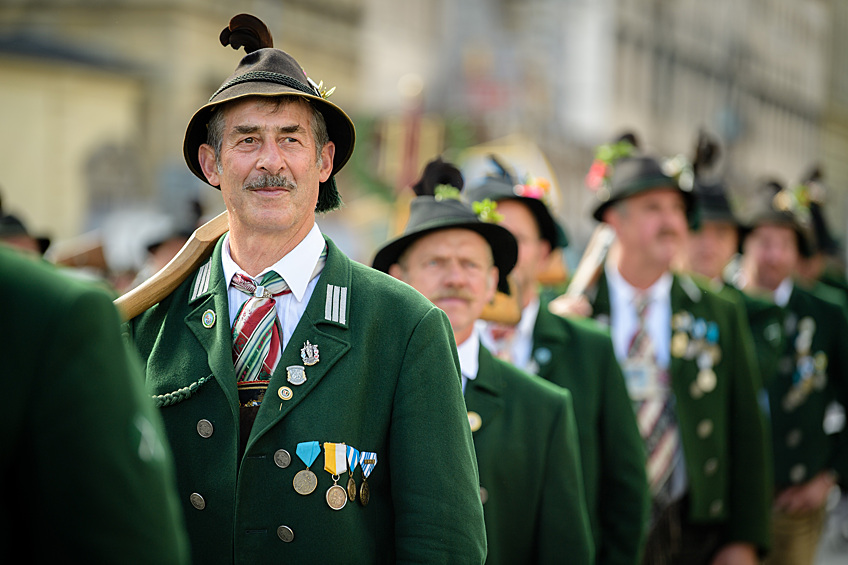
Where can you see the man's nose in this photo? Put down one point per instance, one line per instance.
(270, 159)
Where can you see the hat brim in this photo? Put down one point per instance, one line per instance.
(503, 244)
(646, 185)
(339, 126)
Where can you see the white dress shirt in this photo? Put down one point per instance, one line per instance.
(520, 343)
(624, 321)
(783, 292)
(296, 268)
(469, 357)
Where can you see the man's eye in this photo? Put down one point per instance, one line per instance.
(248, 140)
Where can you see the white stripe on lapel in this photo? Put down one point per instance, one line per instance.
(201, 281)
(335, 308)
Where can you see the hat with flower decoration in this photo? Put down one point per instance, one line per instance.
(270, 72)
(533, 192)
(629, 173)
(438, 206)
(774, 204)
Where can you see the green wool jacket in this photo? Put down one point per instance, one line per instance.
(765, 320)
(726, 444)
(578, 355)
(530, 477)
(82, 449)
(812, 373)
(387, 382)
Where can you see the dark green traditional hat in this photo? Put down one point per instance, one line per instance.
(432, 211)
(814, 183)
(775, 205)
(711, 203)
(266, 71)
(638, 174)
(502, 186)
(12, 226)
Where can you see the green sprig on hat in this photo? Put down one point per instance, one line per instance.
(444, 192)
(486, 210)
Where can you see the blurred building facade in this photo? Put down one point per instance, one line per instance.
(95, 95)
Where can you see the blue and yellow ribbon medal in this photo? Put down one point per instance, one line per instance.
(305, 481)
(352, 462)
(335, 463)
(367, 460)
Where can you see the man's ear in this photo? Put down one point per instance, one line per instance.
(208, 164)
(327, 155)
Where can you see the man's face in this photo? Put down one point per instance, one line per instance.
(712, 247)
(773, 254)
(532, 249)
(453, 269)
(651, 227)
(268, 172)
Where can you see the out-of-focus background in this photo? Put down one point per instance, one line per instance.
(95, 96)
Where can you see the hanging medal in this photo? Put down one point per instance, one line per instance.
(335, 463)
(367, 460)
(305, 481)
(352, 462)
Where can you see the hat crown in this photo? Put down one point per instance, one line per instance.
(639, 171)
(267, 65)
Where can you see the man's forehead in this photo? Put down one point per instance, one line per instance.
(258, 110)
(453, 241)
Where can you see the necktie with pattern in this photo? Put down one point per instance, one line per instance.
(257, 335)
(655, 411)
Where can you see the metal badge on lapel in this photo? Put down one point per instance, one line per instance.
(296, 374)
(309, 354)
(208, 319)
(335, 463)
(474, 420)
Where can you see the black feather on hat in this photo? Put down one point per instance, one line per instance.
(438, 207)
(270, 72)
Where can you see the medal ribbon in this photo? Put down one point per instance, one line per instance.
(335, 462)
(352, 458)
(367, 460)
(308, 451)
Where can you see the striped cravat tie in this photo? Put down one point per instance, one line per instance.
(257, 336)
(655, 414)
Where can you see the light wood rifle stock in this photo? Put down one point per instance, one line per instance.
(588, 270)
(196, 250)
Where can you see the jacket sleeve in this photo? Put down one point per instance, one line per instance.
(624, 500)
(435, 483)
(563, 519)
(838, 373)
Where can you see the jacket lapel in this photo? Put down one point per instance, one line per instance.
(324, 324)
(208, 293)
(685, 296)
(483, 394)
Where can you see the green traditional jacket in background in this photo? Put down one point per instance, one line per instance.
(812, 373)
(88, 477)
(387, 382)
(530, 477)
(578, 355)
(723, 432)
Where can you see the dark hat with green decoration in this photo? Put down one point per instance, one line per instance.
(533, 193)
(711, 202)
(774, 204)
(270, 72)
(438, 207)
(637, 174)
(817, 191)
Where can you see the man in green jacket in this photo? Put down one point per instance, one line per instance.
(811, 374)
(577, 355)
(313, 404)
(82, 451)
(688, 359)
(524, 430)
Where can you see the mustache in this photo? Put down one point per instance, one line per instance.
(458, 293)
(270, 181)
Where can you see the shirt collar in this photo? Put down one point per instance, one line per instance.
(626, 292)
(296, 267)
(469, 355)
(783, 292)
(528, 318)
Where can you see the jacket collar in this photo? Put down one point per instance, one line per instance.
(484, 395)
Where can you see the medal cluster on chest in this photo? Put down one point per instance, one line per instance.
(339, 458)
